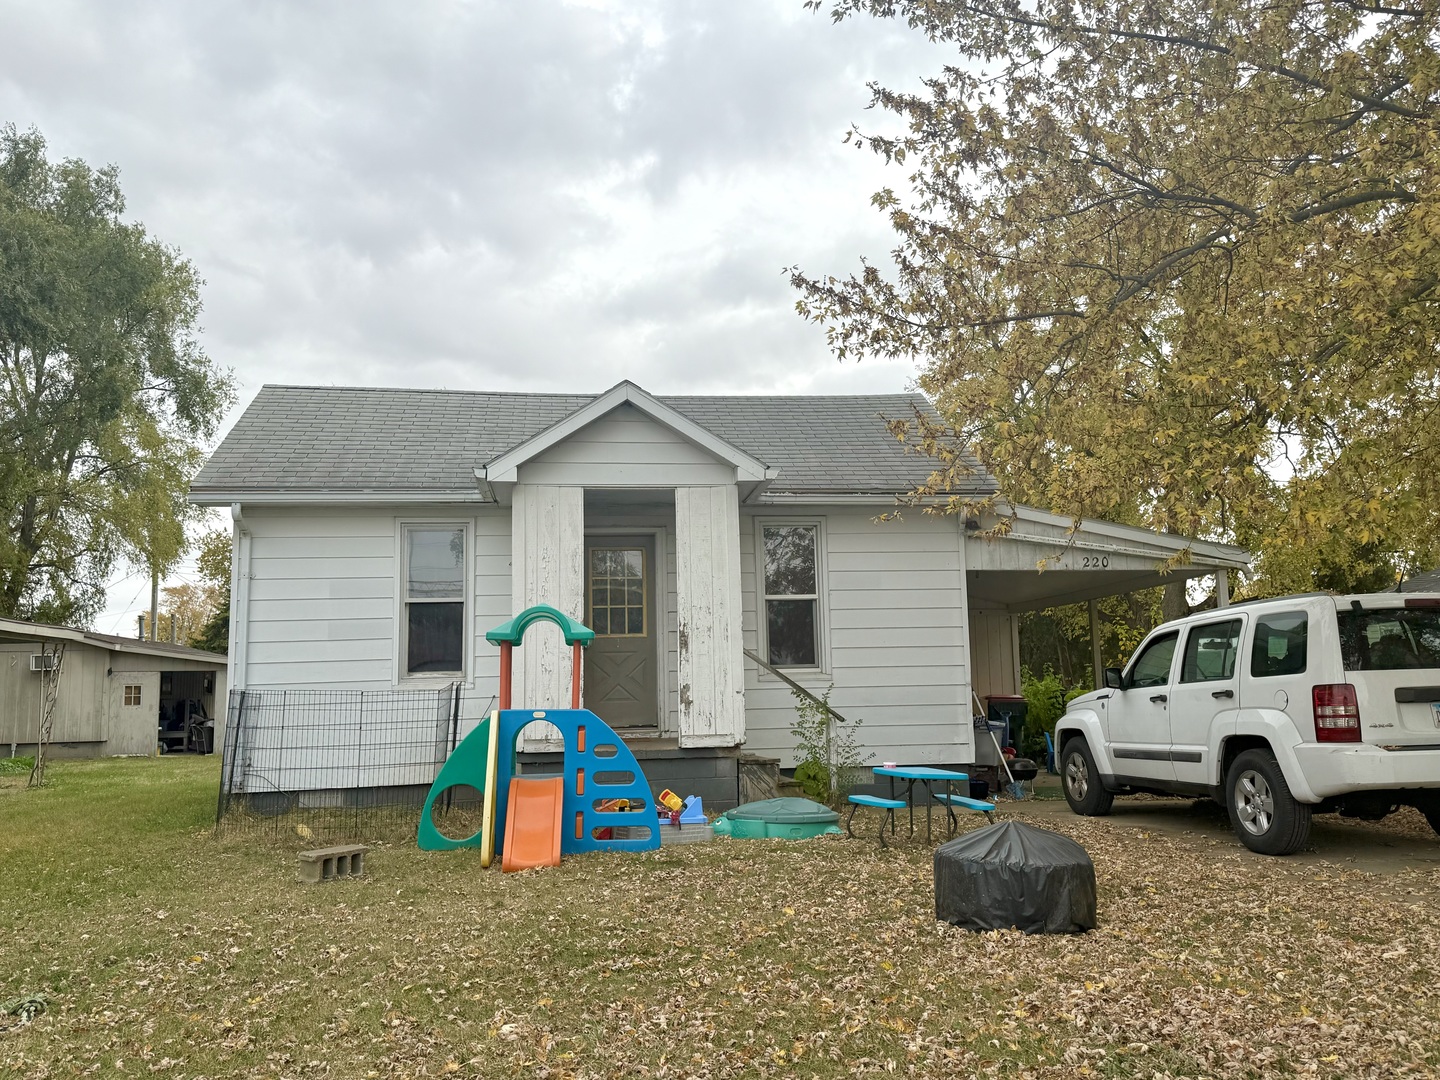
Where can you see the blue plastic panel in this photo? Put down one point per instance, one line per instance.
(597, 733)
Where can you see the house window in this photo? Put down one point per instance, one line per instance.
(434, 600)
(132, 695)
(792, 594)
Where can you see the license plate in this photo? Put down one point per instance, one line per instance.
(1435, 712)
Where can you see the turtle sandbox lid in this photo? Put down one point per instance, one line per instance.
(793, 819)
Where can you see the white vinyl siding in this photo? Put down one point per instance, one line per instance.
(625, 448)
(895, 629)
(322, 610)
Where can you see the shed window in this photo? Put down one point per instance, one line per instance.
(792, 594)
(435, 600)
(132, 694)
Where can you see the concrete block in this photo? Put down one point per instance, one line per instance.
(329, 864)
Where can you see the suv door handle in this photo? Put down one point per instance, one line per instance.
(1222, 693)
(1159, 697)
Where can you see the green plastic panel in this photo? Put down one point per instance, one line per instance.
(510, 633)
(466, 765)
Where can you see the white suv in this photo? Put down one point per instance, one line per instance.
(1276, 709)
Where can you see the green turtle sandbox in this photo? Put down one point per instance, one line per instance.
(788, 819)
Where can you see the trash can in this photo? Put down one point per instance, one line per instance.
(1010, 710)
(985, 753)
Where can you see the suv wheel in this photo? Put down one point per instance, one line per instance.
(1263, 813)
(1081, 781)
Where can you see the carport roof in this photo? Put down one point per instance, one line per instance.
(1046, 560)
(20, 630)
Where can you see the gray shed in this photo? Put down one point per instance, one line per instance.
(116, 695)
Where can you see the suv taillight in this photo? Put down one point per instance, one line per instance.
(1337, 713)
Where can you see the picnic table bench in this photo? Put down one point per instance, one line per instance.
(986, 808)
(888, 805)
(927, 777)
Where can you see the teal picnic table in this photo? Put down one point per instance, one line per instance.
(926, 776)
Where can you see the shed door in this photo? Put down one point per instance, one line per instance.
(134, 712)
(622, 664)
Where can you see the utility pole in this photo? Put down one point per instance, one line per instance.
(154, 603)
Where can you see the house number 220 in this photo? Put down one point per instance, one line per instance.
(1094, 562)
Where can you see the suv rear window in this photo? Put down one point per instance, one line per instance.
(1390, 639)
(1281, 642)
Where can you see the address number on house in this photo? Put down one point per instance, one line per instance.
(1094, 562)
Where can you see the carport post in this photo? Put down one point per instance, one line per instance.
(1222, 587)
(1096, 660)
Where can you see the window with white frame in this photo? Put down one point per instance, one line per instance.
(434, 600)
(792, 594)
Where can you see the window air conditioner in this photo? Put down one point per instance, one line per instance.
(43, 661)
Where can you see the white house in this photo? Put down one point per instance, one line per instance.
(380, 532)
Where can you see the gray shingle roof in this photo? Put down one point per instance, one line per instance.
(360, 440)
(1429, 582)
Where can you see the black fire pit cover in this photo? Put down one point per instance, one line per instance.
(1013, 875)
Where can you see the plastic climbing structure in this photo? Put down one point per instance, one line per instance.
(541, 818)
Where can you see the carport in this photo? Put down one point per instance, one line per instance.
(1021, 559)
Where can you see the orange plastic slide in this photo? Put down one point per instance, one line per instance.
(532, 823)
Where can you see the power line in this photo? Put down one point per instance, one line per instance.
(130, 605)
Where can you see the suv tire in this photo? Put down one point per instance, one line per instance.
(1263, 813)
(1081, 781)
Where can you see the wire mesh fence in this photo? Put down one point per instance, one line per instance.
(339, 765)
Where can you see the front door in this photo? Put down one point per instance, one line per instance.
(621, 665)
(1138, 717)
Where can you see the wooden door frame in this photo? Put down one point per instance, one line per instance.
(657, 614)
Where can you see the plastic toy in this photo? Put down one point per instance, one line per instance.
(694, 812)
(670, 800)
(543, 817)
(790, 819)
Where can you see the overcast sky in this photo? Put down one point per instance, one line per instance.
(537, 195)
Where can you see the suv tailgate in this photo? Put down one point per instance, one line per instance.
(1392, 657)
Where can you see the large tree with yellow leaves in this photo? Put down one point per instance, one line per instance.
(1176, 263)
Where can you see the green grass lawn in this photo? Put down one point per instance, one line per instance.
(161, 950)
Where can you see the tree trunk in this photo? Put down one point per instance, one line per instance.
(1174, 604)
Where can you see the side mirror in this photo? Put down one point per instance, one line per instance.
(1113, 679)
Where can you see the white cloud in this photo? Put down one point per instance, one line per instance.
(540, 195)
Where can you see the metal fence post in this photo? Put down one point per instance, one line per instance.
(229, 751)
